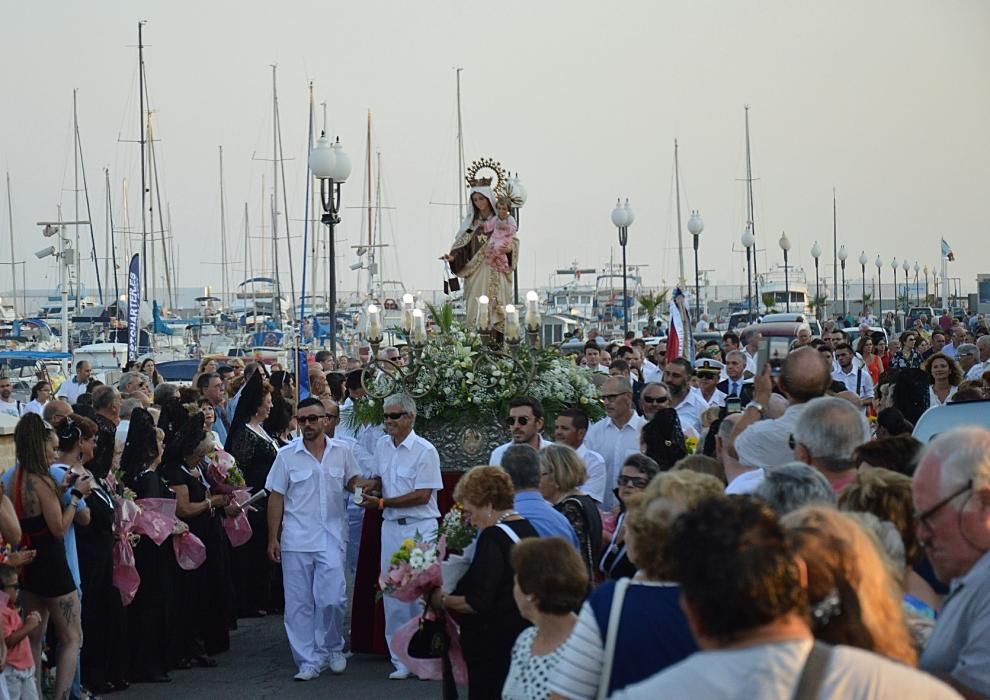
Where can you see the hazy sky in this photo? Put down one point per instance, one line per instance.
(888, 101)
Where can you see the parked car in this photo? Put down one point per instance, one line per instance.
(179, 372)
(816, 327)
(938, 419)
(917, 312)
(853, 333)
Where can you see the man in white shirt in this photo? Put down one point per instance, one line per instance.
(570, 428)
(751, 349)
(72, 388)
(306, 485)
(526, 425)
(616, 436)
(983, 364)
(684, 398)
(592, 357)
(702, 325)
(856, 379)
(8, 406)
(969, 360)
(410, 478)
(804, 376)
(760, 651)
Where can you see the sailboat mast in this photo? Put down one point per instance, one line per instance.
(169, 297)
(310, 205)
(367, 152)
(280, 155)
(751, 222)
(75, 187)
(374, 268)
(89, 211)
(10, 229)
(113, 242)
(151, 208)
(680, 232)
(144, 187)
(274, 203)
(460, 149)
(224, 286)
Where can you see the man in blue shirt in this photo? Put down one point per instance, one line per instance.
(522, 464)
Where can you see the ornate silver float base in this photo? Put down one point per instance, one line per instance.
(464, 443)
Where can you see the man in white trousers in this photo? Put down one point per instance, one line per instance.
(409, 469)
(306, 503)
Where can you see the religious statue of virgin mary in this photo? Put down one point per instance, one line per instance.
(485, 251)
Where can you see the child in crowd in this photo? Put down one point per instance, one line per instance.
(504, 234)
(18, 671)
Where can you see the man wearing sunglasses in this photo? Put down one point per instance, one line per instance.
(409, 472)
(525, 423)
(306, 487)
(616, 436)
(655, 395)
(951, 490)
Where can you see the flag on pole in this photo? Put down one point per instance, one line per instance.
(680, 342)
(947, 251)
(302, 373)
(133, 307)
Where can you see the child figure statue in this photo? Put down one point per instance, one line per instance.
(503, 234)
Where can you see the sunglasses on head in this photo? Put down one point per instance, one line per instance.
(309, 419)
(521, 420)
(655, 399)
(395, 416)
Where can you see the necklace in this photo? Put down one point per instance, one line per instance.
(507, 514)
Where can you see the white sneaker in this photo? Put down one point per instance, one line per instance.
(306, 674)
(337, 662)
(400, 674)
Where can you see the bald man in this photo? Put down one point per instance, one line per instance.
(615, 436)
(758, 441)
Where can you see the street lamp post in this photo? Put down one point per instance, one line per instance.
(518, 198)
(906, 266)
(842, 261)
(917, 289)
(893, 266)
(879, 264)
(695, 227)
(749, 240)
(622, 217)
(816, 252)
(862, 264)
(926, 284)
(331, 166)
(785, 245)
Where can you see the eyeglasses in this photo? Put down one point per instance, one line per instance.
(395, 416)
(656, 399)
(926, 515)
(637, 482)
(613, 397)
(661, 353)
(15, 586)
(335, 416)
(309, 419)
(521, 420)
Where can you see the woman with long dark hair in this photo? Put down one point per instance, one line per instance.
(202, 594)
(147, 657)
(254, 449)
(102, 610)
(47, 585)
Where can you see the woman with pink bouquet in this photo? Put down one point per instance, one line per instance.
(490, 620)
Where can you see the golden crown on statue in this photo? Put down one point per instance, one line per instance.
(499, 176)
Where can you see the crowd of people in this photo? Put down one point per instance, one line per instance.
(724, 530)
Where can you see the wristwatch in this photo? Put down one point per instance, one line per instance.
(761, 409)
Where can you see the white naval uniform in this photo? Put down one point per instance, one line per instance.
(412, 465)
(313, 545)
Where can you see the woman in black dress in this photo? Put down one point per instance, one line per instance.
(202, 594)
(147, 657)
(254, 450)
(490, 620)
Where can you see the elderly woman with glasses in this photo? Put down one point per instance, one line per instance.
(637, 472)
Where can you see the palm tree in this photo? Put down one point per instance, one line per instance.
(867, 298)
(769, 302)
(819, 304)
(652, 301)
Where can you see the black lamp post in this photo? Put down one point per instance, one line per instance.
(331, 166)
(622, 217)
(842, 262)
(879, 264)
(785, 245)
(816, 252)
(749, 240)
(862, 264)
(695, 227)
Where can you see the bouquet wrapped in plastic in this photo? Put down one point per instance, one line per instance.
(222, 472)
(414, 570)
(457, 538)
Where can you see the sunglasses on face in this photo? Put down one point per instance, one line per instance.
(521, 420)
(637, 482)
(655, 399)
(395, 416)
(303, 420)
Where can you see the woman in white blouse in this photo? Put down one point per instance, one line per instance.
(551, 582)
(944, 377)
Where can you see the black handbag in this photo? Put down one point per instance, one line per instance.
(430, 641)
